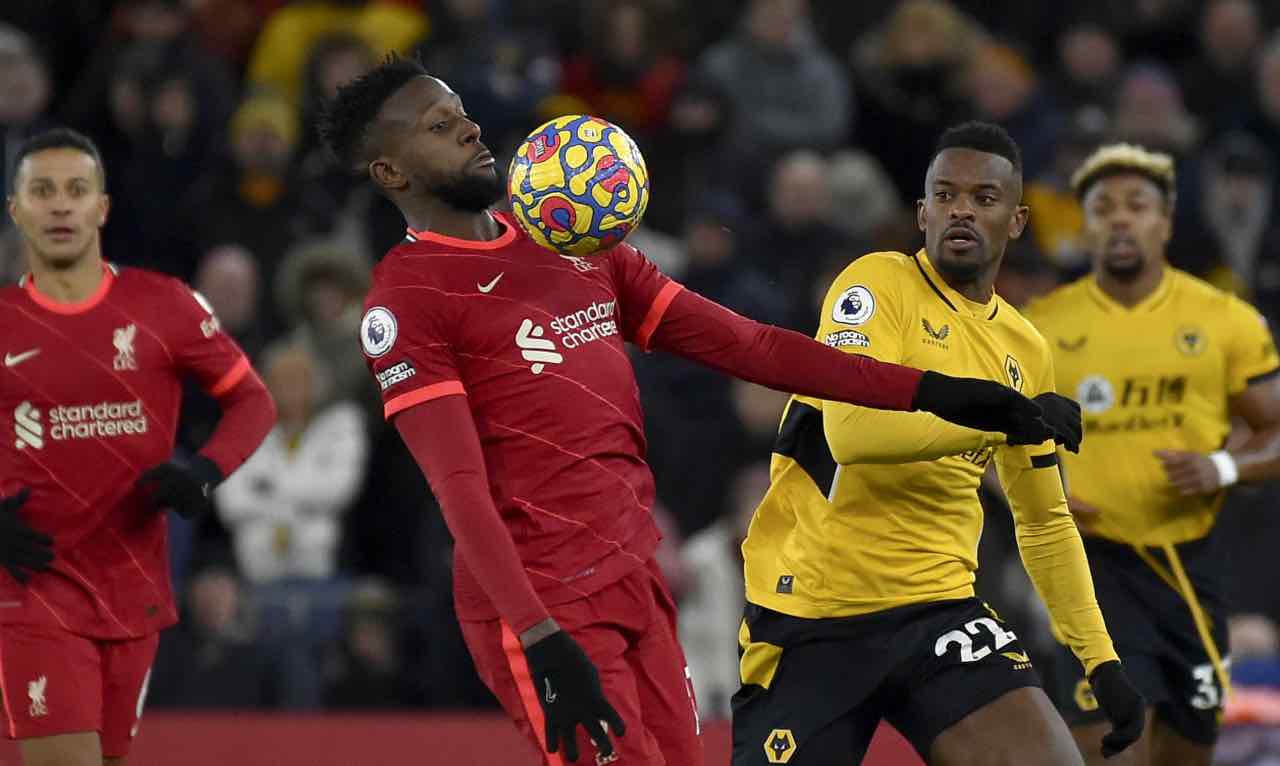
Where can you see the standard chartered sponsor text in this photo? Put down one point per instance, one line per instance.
(92, 421)
(585, 325)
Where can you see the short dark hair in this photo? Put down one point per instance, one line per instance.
(57, 138)
(982, 137)
(345, 121)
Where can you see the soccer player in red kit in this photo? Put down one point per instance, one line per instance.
(503, 365)
(94, 359)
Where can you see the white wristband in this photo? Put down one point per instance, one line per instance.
(1228, 473)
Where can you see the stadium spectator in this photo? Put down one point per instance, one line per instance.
(1219, 80)
(791, 240)
(1057, 218)
(279, 58)
(784, 91)
(320, 289)
(1240, 250)
(366, 670)
(25, 91)
(284, 505)
(256, 201)
(1004, 88)
(210, 661)
(1264, 113)
(158, 31)
(623, 75)
(909, 78)
(1088, 66)
(866, 213)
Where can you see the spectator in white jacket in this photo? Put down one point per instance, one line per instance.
(284, 505)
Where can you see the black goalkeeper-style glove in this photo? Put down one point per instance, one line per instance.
(1123, 705)
(1063, 416)
(186, 489)
(22, 549)
(983, 405)
(569, 690)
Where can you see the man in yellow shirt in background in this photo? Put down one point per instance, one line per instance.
(860, 560)
(1160, 361)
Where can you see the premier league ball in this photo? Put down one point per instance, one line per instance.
(578, 185)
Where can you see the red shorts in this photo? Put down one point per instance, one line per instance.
(628, 629)
(55, 682)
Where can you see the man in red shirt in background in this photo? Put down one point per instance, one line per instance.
(94, 359)
(504, 367)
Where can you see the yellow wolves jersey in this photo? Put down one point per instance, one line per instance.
(833, 540)
(1155, 376)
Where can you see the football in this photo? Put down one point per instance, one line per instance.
(578, 185)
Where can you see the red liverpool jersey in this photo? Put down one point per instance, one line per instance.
(535, 341)
(91, 392)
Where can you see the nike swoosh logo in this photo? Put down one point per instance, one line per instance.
(489, 287)
(12, 359)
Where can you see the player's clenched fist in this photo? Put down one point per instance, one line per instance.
(22, 549)
(569, 690)
(1123, 705)
(1191, 473)
(989, 406)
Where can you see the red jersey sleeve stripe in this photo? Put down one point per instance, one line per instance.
(656, 310)
(229, 381)
(420, 395)
(528, 691)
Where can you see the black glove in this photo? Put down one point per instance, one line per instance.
(22, 549)
(1124, 706)
(984, 405)
(569, 691)
(185, 489)
(1063, 416)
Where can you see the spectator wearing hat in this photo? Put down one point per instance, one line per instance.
(1236, 245)
(255, 201)
(320, 288)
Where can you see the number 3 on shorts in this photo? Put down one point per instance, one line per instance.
(1208, 694)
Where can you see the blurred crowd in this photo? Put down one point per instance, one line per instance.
(784, 138)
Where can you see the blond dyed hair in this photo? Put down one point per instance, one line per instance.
(1113, 159)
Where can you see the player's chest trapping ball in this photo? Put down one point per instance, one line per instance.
(578, 185)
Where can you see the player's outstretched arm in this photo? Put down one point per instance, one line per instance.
(186, 486)
(1054, 557)
(711, 334)
(442, 436)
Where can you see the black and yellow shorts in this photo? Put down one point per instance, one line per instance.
(814, 690)
(1152, 623)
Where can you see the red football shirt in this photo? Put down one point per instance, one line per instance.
(92, 392)
(536, 342)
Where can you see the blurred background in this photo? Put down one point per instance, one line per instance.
(784, 138)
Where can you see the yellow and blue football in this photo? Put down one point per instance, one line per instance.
(578, 185)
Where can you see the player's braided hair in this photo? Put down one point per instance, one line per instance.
(345, 121)
(1115, 159)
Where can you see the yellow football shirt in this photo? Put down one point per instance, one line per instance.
(870, 510)
(861, 538)
(1151, 377)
